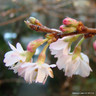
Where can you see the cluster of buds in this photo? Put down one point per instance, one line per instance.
(70, 25)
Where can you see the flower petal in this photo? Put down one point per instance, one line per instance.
(19, 47)
(12, 47)
(41, 75)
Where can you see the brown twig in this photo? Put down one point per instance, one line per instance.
(14, 19)
(82, 30)
(43, 29)
(5, 13)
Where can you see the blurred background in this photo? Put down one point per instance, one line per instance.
(50, 13)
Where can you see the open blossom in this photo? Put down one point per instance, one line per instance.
(60, 45)
(14, 56)
(34, 72)
(79, 66)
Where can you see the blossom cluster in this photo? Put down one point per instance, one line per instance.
(71, 62)
(21, 62)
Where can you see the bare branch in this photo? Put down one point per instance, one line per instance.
(14, 19)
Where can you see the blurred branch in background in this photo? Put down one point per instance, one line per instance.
(57, 8)
(14, 19)
(11, 80)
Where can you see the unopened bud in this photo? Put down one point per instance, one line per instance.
(70, 22)
(33, 45)
(67, 29)
(27, 23)
(34, 21)
(94, 45)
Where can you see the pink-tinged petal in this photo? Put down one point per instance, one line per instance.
(83, 69)
(19, 47)
(34, 76)
(16, 67)
(58, 45)
(8, 54)
(31, 77)
(27, 75)
(21, 71)
(60, 64)
(13, 61)
(41, 75)
(62, 53)
(85, 58)
(62, 61)
(12, 47)
(53, 52)
(71, 68)
(28, 64)
(45, 79)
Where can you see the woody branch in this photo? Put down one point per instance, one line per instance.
(80, 30)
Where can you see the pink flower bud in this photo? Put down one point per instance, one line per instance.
(35, 44)
(67, 29)
(94, 45)
(70, 22)
(62, 28)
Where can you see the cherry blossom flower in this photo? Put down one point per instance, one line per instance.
(34, 72)
(16, 55)
(79, 66)
(57, 47)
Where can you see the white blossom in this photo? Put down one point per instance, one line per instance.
(58, 47)
(33, 72)
(79, 66)
(14, 56)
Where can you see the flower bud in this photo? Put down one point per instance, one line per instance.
(70, 22)
(34, 21)
(35, 44)
(29, 55)
(94, 45)
(67, 29)
(27, 23)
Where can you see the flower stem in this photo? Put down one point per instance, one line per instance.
(42, 55)
(81, 41)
